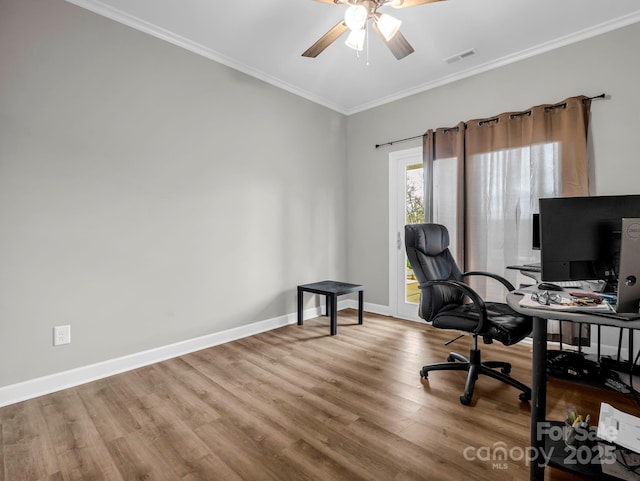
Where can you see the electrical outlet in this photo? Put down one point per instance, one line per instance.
(61, 335)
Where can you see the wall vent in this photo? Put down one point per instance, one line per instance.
(459, 56)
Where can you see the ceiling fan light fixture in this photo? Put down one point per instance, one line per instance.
(355, 40)
(355, 17)
(387, 25)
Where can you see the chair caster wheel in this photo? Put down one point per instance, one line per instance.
(465, 400)
(506, 370)
(525, 397)
(424, 374)
(451, 359)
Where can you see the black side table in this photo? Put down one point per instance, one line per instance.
(331, 290)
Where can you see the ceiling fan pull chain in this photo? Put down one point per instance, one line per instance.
(367, 39)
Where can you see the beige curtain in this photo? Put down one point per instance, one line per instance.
(565, 123)
(443, 152)
(484, 178)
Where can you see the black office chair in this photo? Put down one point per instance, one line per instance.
(442, 303)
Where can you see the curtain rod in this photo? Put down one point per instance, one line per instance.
(601, 96)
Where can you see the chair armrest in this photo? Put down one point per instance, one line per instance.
(498, 278)
(476, 300)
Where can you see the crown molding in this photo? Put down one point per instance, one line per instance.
(98, 7)
(136, 23)
(506, 60)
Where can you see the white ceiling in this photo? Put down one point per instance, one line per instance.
(265, 39)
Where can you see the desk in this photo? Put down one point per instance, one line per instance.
(331, 290)
(539, 378)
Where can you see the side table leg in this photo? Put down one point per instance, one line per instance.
(327, 305)
(300, 291)
(334, 314)
(360, 305)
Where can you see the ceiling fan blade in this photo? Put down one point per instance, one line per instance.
(408, 3)
(398, 45)
(326, 40)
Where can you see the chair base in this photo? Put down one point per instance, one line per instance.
(474, 366)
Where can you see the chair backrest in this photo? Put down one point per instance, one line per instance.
(427, 248)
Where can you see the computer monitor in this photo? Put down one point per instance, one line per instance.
(629, 275)
(580, 237)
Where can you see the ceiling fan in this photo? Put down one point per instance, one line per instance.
(356, 18)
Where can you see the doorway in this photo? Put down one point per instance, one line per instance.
(406, 206)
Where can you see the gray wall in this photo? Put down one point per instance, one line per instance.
(607, 63)
(149, 195)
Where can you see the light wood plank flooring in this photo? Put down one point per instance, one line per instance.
(289, 404)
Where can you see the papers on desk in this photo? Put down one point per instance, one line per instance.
(622, 429)
(563, 301)
(619, 428)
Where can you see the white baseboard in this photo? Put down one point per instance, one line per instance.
(32, 388)
(368, 307)
(55, 382)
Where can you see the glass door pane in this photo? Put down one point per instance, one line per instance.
(414, 214)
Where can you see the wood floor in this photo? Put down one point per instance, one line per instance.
(289, 404)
